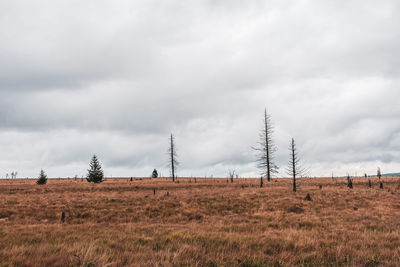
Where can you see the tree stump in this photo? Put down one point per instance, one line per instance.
(350, 184)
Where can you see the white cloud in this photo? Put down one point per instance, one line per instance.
(115, 78)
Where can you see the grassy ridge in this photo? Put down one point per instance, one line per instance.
(207, 223)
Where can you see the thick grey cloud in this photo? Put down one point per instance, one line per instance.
(116, 77)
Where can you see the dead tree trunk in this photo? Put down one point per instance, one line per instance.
(294, 167)
(266, 149)
(378, 173)
(173, 162)
(232, 175)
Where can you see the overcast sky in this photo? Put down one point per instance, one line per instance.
(115, 78)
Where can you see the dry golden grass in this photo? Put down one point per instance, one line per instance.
(207, 223)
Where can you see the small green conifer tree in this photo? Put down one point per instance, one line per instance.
(95, 173)
(42, 178)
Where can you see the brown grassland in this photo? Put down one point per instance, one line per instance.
(205, 223)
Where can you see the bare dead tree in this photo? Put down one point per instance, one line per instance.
(231, 175)
(265, 150)
(294, 167)
(378, 173)
(173, 162)
(14, 175)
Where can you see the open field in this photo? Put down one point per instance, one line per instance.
(205, 223)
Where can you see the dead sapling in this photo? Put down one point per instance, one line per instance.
(154, 191)
(231, 175)
(369, 184)
(380, 185)
(294, 168)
